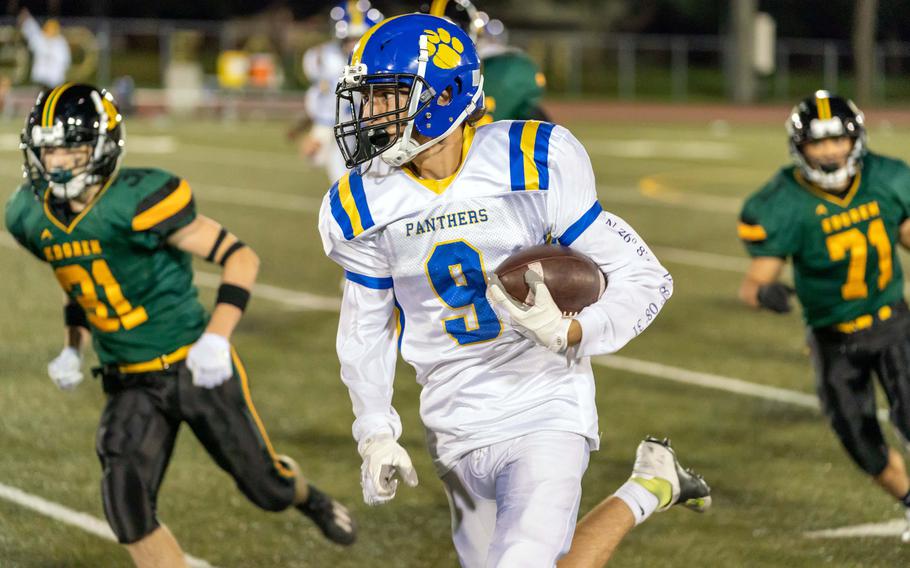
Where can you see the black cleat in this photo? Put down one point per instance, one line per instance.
(332, 518)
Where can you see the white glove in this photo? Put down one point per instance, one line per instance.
(543, 322)
(66, 369)
(383, 459)
(209, 360)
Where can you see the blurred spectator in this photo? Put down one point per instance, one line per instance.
(50, 52)
(123, 89)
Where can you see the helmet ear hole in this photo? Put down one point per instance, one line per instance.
(459, 85)
(445, 98)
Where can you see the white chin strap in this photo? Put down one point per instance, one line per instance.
(71, 189)
(833, 180)
(406, 148)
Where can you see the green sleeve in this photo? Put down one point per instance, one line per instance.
(898, 177)
(16, 210)
(160, 203)
(766, 226)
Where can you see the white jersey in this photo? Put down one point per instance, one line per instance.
(50, 55)
(416, 254)
(323, 65)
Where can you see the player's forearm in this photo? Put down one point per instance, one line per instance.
(240, 271)
(748, 292)
(625, 310)
(638, 286)
(367, 351)
(76, 336)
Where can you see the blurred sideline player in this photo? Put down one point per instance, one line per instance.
(51, 56)
(513, 84)
(121, 242)
(433, 205)
(322, 65)
(840, 212)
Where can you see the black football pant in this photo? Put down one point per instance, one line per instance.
(138, 429)
(844, 364)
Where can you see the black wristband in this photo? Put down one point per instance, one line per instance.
(231, 250)
(223, 233)
(775, 297)
(233, 295)
(74, 316)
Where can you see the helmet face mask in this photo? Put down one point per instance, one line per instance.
(428, 72)
(372, 131)
(72, 117)
(826, 117)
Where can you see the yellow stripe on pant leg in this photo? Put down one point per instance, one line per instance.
(528, 137)
(244, 383)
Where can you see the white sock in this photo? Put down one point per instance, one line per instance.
(639, 500)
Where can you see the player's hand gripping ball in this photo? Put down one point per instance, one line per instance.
(573, 279)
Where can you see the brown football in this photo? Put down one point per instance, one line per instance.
(574, 280)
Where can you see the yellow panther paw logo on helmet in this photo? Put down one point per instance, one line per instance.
(444, 49)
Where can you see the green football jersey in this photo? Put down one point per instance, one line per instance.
(844, 248)
(512, 85)
(113, 259)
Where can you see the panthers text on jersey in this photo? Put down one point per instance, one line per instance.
(137, 293)
(844, 248)
(416, 254)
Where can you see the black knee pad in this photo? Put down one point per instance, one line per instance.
(128, 506)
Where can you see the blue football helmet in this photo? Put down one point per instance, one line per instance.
(426, 71)
(352, 18)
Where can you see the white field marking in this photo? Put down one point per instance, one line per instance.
(679, 149)
(289, 299)
(285, 160)
(65, 515)
(259, 198)
(704, 202)
(139, 144)
(162, 144)
(712, 381)
(886, 528)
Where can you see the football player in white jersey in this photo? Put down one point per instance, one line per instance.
(322, 65)
(507, 391)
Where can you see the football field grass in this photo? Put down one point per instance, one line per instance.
(776, 469)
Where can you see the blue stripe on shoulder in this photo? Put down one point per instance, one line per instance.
(360, 200)
(369, 281)
(542, 154)
(516, 158)
(578, 227)
(340, 215)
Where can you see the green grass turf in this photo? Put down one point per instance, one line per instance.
(777, 471)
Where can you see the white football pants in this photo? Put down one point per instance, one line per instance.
(515, 503)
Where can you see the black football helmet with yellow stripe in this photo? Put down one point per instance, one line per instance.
(821, 116)
(71, 116)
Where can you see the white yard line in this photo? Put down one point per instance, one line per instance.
(289, 298)
(258, 198)
(707, 380)
(886, 528)
(664, 149)
(65, 515)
